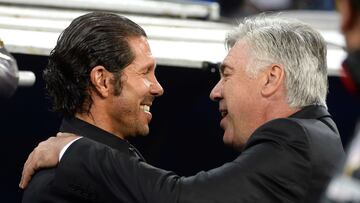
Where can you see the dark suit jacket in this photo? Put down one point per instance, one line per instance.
(51, 185)
(285, 160)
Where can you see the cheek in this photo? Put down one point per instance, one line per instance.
(136, 89)
(239, 106)
(235, 114)
(236, 98)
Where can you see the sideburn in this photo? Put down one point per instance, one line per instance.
(117, 83)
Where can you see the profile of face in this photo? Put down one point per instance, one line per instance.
(129, 111)
(238, 94)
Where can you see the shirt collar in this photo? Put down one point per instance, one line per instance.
(85, 129)
(312, 111)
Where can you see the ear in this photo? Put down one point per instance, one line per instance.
(101, 79)
(348, 15)
(273, 79)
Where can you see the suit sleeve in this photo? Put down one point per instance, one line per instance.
(274, 167)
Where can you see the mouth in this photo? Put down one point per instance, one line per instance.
(145, 108)
(223, 112)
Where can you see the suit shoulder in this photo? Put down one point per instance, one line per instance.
(281, 132)
(283, 128)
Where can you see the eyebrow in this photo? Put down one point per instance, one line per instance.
(224, 66)
(149, 65)
(153, 64)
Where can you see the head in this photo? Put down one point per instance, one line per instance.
(274, 68)
(88, 72)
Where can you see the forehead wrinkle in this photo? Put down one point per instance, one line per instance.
(138, 66)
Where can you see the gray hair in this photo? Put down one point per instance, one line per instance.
(295, 45)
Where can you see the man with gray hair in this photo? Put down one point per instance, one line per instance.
(271, 98)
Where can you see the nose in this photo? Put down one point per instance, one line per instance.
(156, 89)
(216, 92)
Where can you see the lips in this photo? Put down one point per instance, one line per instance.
(146, 110)
(223, 112)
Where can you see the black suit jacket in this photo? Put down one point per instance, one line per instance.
(52, 185)
(285, 160)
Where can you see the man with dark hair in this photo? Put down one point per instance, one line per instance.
(101, 78)
(272, 99)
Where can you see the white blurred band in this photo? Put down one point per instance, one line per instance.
(26, 79)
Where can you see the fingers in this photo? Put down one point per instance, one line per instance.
(45, 155)
(61, 134)
(37, 159)
(27, 172)
(31, 165)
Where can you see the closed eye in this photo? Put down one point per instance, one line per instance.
(225, 71)
(147, 71)
(225, 75)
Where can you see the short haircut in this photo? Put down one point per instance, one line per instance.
(298, 47)
(92, 39)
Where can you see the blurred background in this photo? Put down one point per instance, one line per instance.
(187, 39)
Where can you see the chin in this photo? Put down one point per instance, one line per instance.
(144, 131)
(227, 140)
(233, 144)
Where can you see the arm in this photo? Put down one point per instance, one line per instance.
(121, 176)
(45, 155)
(274, 167)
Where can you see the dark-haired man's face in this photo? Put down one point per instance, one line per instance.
(130, 111)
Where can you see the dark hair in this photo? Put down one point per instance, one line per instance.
(355, 4)
(92, 39)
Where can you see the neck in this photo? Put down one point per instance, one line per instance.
(279, 109)
(99, 120)
(281, 113)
